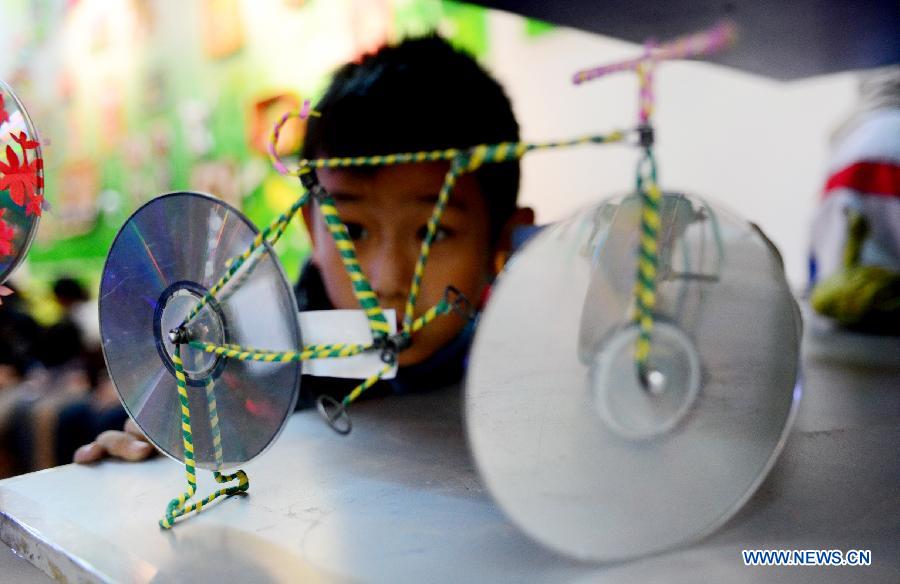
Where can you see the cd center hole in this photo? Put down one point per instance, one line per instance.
(206, 326)
(655, 382)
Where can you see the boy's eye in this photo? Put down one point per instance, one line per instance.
(440, 234)
(356, 231)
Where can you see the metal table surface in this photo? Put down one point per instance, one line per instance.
(399, 500)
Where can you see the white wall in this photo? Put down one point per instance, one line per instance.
(756, 145)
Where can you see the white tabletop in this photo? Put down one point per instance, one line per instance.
(399, 500)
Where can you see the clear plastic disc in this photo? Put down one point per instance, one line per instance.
(163, 260)
(21, 182)
(580, 452)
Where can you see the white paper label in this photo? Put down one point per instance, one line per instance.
(343, 326)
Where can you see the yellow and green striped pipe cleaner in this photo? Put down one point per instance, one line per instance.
(180, 505)
(648, 259)
(320, 351)
(269, 235)
(462, 160)
(361, 287)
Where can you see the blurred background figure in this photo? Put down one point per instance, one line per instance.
(72, 344)
(855, 256)
(19, 336)
(54, 391)
(63, 342)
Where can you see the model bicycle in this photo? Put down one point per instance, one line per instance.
(649, 345)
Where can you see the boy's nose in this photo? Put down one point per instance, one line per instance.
(390, 270)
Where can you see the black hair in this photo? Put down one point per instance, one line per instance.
(69, 289)
(421, 94)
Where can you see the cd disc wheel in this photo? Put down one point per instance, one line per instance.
(165, 258)
(580, 452)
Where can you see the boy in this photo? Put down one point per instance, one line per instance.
(419, 95)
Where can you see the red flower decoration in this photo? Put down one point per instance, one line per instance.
(34, 206)
(6, 236)
(3, 115)
(23, 141)
(21, 179)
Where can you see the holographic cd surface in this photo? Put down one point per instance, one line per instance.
(21, 182)
(163, 260)
(570, 443)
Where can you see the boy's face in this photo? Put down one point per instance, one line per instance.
(386, 213)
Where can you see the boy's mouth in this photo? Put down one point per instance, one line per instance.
(399, 309)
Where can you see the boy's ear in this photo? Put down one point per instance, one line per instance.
(522, 217)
